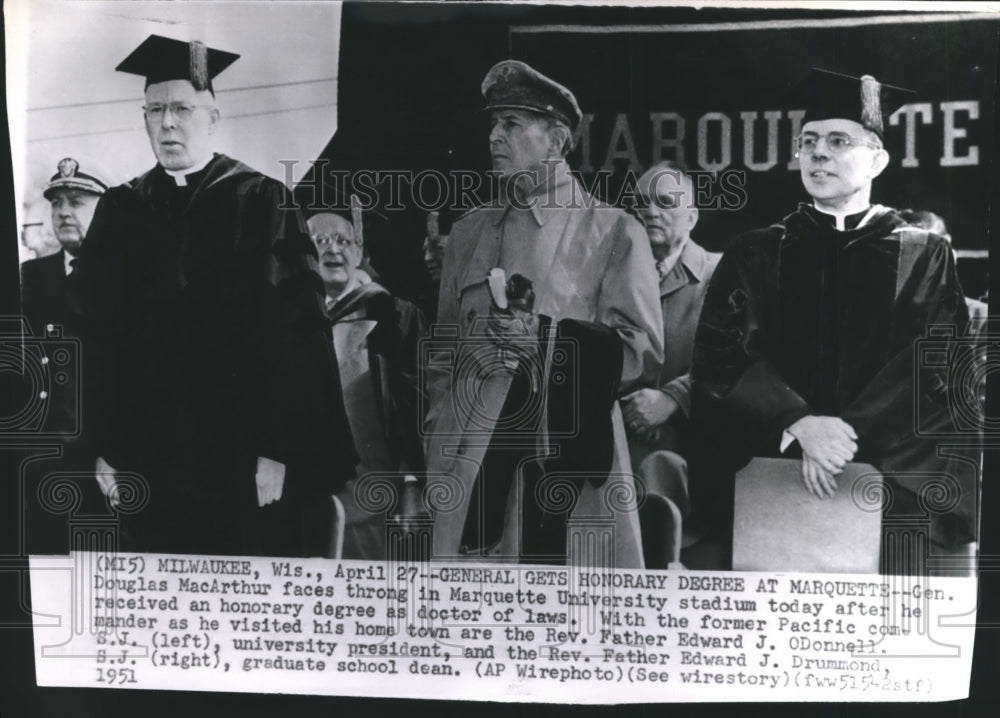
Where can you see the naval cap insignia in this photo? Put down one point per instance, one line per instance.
(68, 167)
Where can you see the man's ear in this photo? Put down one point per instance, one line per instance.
(213, 118)
(559, 136)
(692, 218)
(880, 160)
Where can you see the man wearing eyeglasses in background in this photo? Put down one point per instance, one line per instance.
(375, 336)
(212, 376)
(807, 338)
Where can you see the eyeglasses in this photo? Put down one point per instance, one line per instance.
(645, 203)
(837, 142)
(181, 110)
(325, 240)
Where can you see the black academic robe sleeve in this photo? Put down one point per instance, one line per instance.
(908, 396)
(302, 420)
(396, 342)
(103, 306)
(914, 419)
(737, 394)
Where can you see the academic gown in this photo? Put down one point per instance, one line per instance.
(209, 348)
(802, 319)
(377, 337)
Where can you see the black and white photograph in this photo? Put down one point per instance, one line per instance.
(498, 352)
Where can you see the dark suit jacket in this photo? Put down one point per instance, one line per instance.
(43, 292)
(44, 305)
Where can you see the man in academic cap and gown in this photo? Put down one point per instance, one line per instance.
(524, 430)
(809, 337)
(210, 360)
(376, 336)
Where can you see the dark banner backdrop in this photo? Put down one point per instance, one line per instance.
(722, 100)
(711, 88)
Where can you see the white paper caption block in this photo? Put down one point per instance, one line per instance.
(484, 632)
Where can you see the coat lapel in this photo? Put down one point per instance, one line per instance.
(487, 253)
(676, 278)
(688, 269)
(549, 211)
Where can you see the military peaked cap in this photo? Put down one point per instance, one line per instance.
(70, 176)
(514, 85)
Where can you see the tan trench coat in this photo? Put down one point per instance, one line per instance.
(590, 262)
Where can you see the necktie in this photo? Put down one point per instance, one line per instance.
(661, 268)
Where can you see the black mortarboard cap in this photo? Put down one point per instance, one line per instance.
(513, 84)
(827, 95)
(160, 59)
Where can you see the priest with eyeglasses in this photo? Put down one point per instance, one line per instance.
(211, 384)
(808, 343)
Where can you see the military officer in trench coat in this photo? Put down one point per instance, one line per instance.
(530, 391)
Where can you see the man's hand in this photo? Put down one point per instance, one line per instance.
(819, 482)
(646, 410)
(106, 480)
(434, 246)
(513, 329)
(270, 480)
(828, 444)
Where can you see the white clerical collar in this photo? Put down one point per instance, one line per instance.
(180, 176)
(68, 261)
(839, 217)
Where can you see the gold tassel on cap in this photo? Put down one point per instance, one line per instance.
(359, 230)
(871, 104)
(199, 65)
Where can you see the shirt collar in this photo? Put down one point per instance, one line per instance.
(689, 268)
(555, 191)
(67, 261)
(180, 176)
